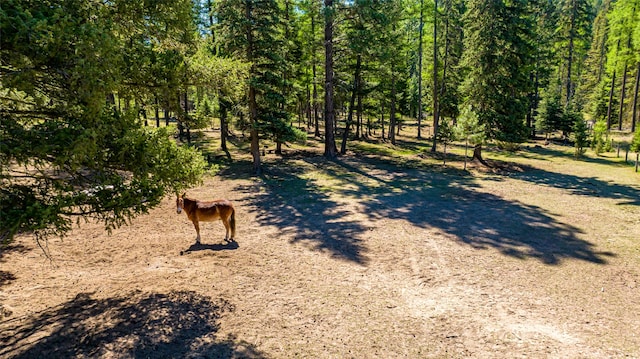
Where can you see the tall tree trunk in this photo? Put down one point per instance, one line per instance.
(213, 34)
(622, 96)
(420, 34)
(382, 118)
(392, 117)
(613, 83)
(361, 131)
(308, 108)
(435, 76)
(634, 113)
(352, 102)
(315, 81)
(253, 105)
(330, 149)
(529, 119)
(224, 129)
(186, 116)
(157, 112)
(570, 54)
(255, 141)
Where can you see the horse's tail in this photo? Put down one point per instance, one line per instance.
(232, 222)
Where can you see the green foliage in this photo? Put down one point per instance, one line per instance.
(550, 113)
(469, 128)
(204, 113)
(66, 152)
(600, 141)
(498, 59)
(446, 133)
(573, 37)
(580, 132)
(635, 143)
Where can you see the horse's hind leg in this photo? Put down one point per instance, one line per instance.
(227, 227)
(197, 225)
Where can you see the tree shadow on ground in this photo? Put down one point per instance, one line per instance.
(582, 186)
(5, 249)
(295, 205)
(544, 153)
(179, 324)
(6, 278)
(453, 204)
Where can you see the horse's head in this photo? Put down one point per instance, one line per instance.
(180, 203)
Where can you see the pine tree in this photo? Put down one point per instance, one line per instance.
(498, 59)
(580, 133)
(251, 30)
(468, 128)
(445, 135)
(573, 39)
(550, 114)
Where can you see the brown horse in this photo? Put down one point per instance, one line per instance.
(208, 211)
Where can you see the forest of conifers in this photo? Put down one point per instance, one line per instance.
(78, 76)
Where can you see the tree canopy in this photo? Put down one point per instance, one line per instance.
(66, 151)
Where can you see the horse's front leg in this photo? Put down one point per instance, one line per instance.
(197, 225)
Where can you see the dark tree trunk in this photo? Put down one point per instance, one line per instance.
(609, 107)
(330, 149)
(392, 117)
(435, 76)
(570, 54)
(634, 114)
(613, 83)
(157, 112)
(352, 101)
(420, 33)
(622, 96)
(253, 105)
(213, 35)
(382, 118)
(477, 154)
(360, 131)
(315, 81)
(224, 127)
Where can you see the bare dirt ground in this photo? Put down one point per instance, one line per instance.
(361, 257)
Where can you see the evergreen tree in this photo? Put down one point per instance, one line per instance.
(623, 19)
(635, 142)
(580, 132)
(445, 135)
(498, 59)
(551, 115)
(468, 128)
(545, 19)
(251, 30)
(572, 43)
(600, 140)
(589, 92)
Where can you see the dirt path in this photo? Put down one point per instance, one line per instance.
(392, 264)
